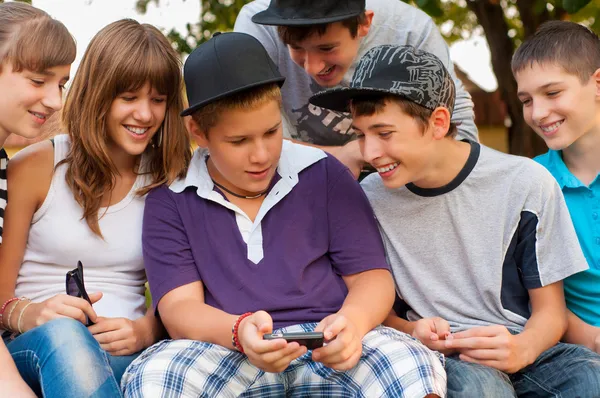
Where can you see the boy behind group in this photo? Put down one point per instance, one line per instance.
(558, 74)
(318, 44)
(278, 232)
(478, 241)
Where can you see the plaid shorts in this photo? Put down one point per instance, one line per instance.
(392, 364)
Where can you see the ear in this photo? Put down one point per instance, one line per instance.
(596, 78)
(198, 136)
(363, 29)
(439, 122)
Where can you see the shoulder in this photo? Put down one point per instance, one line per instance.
(30, 170)
(394, 9)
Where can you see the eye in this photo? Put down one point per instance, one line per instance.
(526, 101)
(327, 49)
(553, 93)
(385, 134)
(238, 142)
(159, 100)
(37, 82)
(359, 136)
(128, 98)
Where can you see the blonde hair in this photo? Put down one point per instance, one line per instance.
(208, 116)
(122, 57)
(31, 39)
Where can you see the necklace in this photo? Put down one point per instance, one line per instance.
(238, 195)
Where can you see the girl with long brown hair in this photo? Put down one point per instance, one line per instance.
(80, 213)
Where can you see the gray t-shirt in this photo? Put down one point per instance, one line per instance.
(394, 23)
(468, 252)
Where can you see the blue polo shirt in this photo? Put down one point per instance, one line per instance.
(314, 226)
(582, 290)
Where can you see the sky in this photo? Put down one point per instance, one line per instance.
(84, 18)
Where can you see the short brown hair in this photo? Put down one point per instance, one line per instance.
(31, 39)
(370, 105)
(569, 45)
(208, 116)
(295, 34)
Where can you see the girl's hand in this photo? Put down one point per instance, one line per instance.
(59, 306)
(121, 336)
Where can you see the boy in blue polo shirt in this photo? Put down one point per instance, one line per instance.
(558, 73)
(279, 233)
(478, 241)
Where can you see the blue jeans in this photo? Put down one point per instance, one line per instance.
(564, 371)
(62, 359)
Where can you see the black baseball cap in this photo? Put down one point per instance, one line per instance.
(415, 75)
(308, 12)
(224, 65)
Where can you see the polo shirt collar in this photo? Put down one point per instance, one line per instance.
(294, 158)
(561, 172)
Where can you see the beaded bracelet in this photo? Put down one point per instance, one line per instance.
(12, 309)
(234, 332)
(21, 316)
(6, 303)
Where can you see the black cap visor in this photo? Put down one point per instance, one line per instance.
(268, 17)
(195, 107)
(338, 99)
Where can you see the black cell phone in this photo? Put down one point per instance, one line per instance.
(310, 340)
(76, 288)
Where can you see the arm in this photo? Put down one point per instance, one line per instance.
(29, 175)
(10, 379)
(349, 154)
(580, 332)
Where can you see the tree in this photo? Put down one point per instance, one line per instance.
(505, 23)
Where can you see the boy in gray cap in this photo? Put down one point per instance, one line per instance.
(479, 241)
(317, 44)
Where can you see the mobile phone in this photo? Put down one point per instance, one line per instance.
(310, 340)
(75, 287)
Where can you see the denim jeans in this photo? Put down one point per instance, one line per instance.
(565, 371)
(62, 359)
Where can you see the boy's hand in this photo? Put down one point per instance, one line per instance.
(120, 336)
(432, 332)
(351, 157)
(345, 345)
(492, 346)
(272, 356)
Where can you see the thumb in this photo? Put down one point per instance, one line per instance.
(263, 322)
(94, 297)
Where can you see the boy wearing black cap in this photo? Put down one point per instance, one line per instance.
(317, 44)
(279, 233)
(479, 241)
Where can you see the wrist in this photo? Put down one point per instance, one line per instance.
(235, 331)
(527, 348)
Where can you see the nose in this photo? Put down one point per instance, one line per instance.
(143, 111)
(539, 111)
(313, 64)
(370, 149)
(53, 98)
(260, 153)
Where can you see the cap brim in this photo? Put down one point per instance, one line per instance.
(338, 99)
(268, 17)
(195, 107)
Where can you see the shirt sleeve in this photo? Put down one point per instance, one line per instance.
(547, 249)
(267, 35)
(355, 244)
(431, 40)
(167, 253)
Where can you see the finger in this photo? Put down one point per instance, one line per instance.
(480, 331)
(345, 365)
(71, 312)
(261, 347)
(276, 356)
(471, 343)
(83, 305)
(442, 328)
(482, 354)
(115, 346)
(109, 337)
(335, 328)
(285, 361)
(94, 297)
(103, 325)
(263, 321)
(332, 349)
(324, 323)
(123, 352)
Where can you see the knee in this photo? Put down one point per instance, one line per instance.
(62, 331)
(466, 380)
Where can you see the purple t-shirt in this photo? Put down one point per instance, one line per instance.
(314, 227)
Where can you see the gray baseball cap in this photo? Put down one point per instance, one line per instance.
(415, 75)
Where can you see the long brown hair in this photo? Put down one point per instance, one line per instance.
(31, 39)
(122, 57)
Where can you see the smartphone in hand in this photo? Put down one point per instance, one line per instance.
(310, 340)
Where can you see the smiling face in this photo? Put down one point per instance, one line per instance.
(244, 146)
(327, 58)
(29, 99)
(133, 119)
(557, 105)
